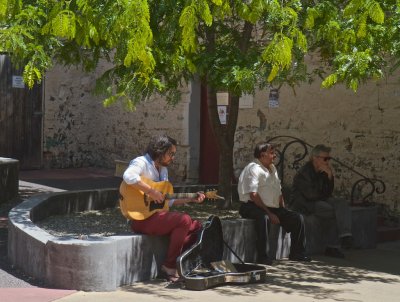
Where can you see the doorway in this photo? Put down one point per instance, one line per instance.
(21, 117)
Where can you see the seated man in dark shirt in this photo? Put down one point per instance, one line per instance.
(312, 194)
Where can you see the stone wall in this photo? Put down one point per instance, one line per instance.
(363, 129)
(79, 131)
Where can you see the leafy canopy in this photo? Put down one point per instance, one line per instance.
(235, 45)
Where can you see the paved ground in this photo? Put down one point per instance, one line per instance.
(73, 179)
(365, 275)
(14, 285)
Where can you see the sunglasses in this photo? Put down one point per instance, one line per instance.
(325, 158)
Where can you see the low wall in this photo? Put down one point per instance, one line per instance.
(106, 263)
(321, 233)
(97, 264)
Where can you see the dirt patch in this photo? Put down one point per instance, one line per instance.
(110, 222)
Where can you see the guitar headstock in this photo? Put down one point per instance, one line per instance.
(213, 195)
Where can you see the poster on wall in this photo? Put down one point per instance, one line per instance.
(273, 101)
(222, 114)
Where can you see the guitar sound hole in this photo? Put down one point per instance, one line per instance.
(154, 205)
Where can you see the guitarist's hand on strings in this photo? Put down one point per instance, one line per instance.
(199, 198)
(155, 195)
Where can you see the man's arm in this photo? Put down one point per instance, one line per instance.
(259, 203)
(155, 195)
(281, 202)
(132, 177)
(198, 199)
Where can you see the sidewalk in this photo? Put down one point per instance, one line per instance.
(73, 179)
(364, 275)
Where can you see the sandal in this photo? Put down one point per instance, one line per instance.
(165, 273)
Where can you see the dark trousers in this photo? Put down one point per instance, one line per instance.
(291, 221)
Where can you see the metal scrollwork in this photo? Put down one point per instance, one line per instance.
(357, 198)
(360, 194)
(281, 154)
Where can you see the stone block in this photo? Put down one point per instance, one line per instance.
(9, 178)
(364, 227)
(321, 233)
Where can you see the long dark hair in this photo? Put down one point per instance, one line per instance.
(159, 145)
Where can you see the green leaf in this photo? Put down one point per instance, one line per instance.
(204, 11)
(362, 27)
(188, 21)
(279, 51)
(329, 81)
(353, 7)
(217, 2)
(375, 12)
(354, 84)
(62, 25)
(273, 73)
(31, 74)
(3, 8)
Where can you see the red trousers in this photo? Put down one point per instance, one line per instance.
(180, 227)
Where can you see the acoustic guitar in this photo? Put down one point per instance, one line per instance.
(135, 204)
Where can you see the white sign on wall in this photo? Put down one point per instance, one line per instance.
(246, 101)
(18, 82)
(223, 98)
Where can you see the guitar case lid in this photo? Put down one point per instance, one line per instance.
(208, 248)
(202, 266)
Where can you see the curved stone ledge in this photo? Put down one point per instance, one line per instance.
(105, 263)
(97, 264)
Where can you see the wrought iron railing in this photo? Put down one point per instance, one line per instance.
(362, 189)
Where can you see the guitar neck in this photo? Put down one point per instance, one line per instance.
(180, 195)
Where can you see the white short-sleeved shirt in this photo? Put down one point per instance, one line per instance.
(144, 166)
(256, 178)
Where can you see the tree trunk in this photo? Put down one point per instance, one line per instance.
(224, 135)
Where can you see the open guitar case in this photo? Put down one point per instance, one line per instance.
(202, 266)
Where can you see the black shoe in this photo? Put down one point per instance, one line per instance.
(265, 261)
(300, 258)
(333, 252)
(346, 242)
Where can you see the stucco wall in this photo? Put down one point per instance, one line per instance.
(363, 129)
(79, 131)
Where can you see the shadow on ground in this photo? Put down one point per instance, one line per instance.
(323, 278)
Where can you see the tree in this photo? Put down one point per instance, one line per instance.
(236, 46)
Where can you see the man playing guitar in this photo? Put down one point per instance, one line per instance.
(155, 219)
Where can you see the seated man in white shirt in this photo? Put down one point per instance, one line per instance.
(260, 192)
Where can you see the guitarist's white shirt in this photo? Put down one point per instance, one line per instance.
(144, 166)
